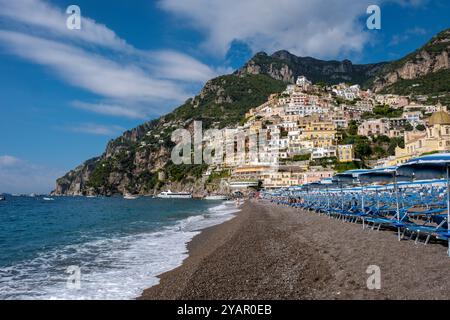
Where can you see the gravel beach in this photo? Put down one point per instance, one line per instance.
(275, 252)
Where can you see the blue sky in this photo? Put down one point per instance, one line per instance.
(65, 93)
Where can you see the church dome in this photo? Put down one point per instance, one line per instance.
(440, 117)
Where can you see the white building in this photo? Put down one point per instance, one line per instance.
(289, 89)
(323, 153)
(289, 125)
(346, 92)
(303, 82)
(412, 116)
(303, 110)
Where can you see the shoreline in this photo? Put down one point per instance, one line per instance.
(274, 252)
(215, 236)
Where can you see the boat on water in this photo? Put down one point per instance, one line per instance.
(2, 198)
(174, 195)
(48, 199)
(130, 197)
(216, 197)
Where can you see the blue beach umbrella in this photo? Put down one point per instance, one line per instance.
(431, 167)
(389, 175)
(345, 178)
(348, 178)
(327, 185)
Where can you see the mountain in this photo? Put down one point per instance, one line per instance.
(286, 67)
(139, 160)
(420, 72)
(424, 71)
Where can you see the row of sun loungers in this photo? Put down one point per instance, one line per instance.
(416, 210)
(418, 217)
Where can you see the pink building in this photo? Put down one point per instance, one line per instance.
(315, 176)
(379, 127)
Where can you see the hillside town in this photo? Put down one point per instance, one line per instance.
(316, 130)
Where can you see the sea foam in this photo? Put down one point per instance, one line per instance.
(114, 268)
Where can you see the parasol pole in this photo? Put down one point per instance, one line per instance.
(362, 205)
(397, 203)
(448, 208)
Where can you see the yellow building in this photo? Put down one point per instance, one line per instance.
(281, 179)
(321, 133)
(303, 122)
(256, 126)
(436, 137)
(345, 153)
(251, 172)
(284, 176)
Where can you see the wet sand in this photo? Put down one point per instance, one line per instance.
(275, 252)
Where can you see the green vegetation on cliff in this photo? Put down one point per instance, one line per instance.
(100, 175)
(131, 162)
(226, 99)
(435, 85)
(283, 65)
(426, 57)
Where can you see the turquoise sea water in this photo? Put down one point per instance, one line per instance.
(119, 246)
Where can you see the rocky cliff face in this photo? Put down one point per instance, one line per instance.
(431, 58)
(286, 67)
(72, 183)
(138, 162)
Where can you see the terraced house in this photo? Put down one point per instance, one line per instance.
(436, 138)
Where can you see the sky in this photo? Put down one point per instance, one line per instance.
(65, 93)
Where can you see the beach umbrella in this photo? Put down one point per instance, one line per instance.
(348, 178)
(327, 184)
(431, 167)
(385, 174)
(390, 175)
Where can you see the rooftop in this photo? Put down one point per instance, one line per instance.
(439, 117)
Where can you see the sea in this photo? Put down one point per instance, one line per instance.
(96, 248)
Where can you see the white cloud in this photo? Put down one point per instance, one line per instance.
(97, 129)
(405, 36)
(36, 31)
(178, 66)
(319, 28)
(20, 176)
(130, 112)
(304, 27)
(6, 161)
(41, 15)
(92, 72)
(46, 19)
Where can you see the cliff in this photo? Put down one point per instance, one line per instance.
(430, 59)
(139, 160)
(286, 67)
